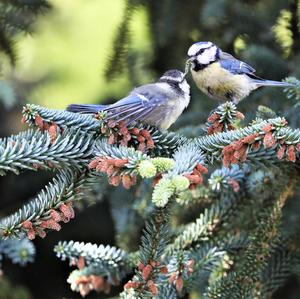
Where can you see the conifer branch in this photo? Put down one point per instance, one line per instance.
(18, 16)
(138, 135)
(279, 269)
(265, 113)
(34, 114)
(117, 61)
(243, 282)
(214, 216)
(154, 240)
(186, 158)
(293, 92)
(187, 268)
(18, 251)
(265, 141)
(223, 118)
(134, 157)
(89, 278)
(110, 262)
(187, 172)
(51, 206)
(123, 164)
(126, 153)
(35, 150)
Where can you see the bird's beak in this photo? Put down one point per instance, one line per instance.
(187, 67)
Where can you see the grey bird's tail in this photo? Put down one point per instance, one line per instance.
(272, 83)
(85, 109)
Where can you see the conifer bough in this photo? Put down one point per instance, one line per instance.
(238, 204)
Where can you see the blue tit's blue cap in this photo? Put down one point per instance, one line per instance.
(202, 43)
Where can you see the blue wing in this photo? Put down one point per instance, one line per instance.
(136, 106)
(236, 66)
(85, 109)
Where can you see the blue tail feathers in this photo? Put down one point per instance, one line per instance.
(88, 108)
(273, 83)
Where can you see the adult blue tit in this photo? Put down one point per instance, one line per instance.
(158, 104)
(221, 76)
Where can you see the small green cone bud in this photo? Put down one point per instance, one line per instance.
(163, 164)
(180, 182)
(162, 192)
(146, 169)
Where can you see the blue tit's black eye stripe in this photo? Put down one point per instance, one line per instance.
(203, 49)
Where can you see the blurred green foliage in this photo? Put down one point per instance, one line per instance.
(70, 48)
(11, 291)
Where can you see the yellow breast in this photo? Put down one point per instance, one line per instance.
(218, 83)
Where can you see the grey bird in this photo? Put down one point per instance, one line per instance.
(158, 104)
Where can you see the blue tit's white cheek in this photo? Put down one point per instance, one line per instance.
(193, 50)
(208, 56)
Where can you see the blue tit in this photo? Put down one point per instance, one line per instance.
(221, 76)
(158, 104)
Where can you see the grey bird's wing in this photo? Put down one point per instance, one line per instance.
(236, 66)
(137, 105)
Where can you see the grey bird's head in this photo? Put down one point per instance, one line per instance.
(176, 79)
(202, 54)
(172, 76)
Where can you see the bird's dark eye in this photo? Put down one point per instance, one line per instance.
(201, 51)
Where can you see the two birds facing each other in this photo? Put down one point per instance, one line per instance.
(216, 73)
